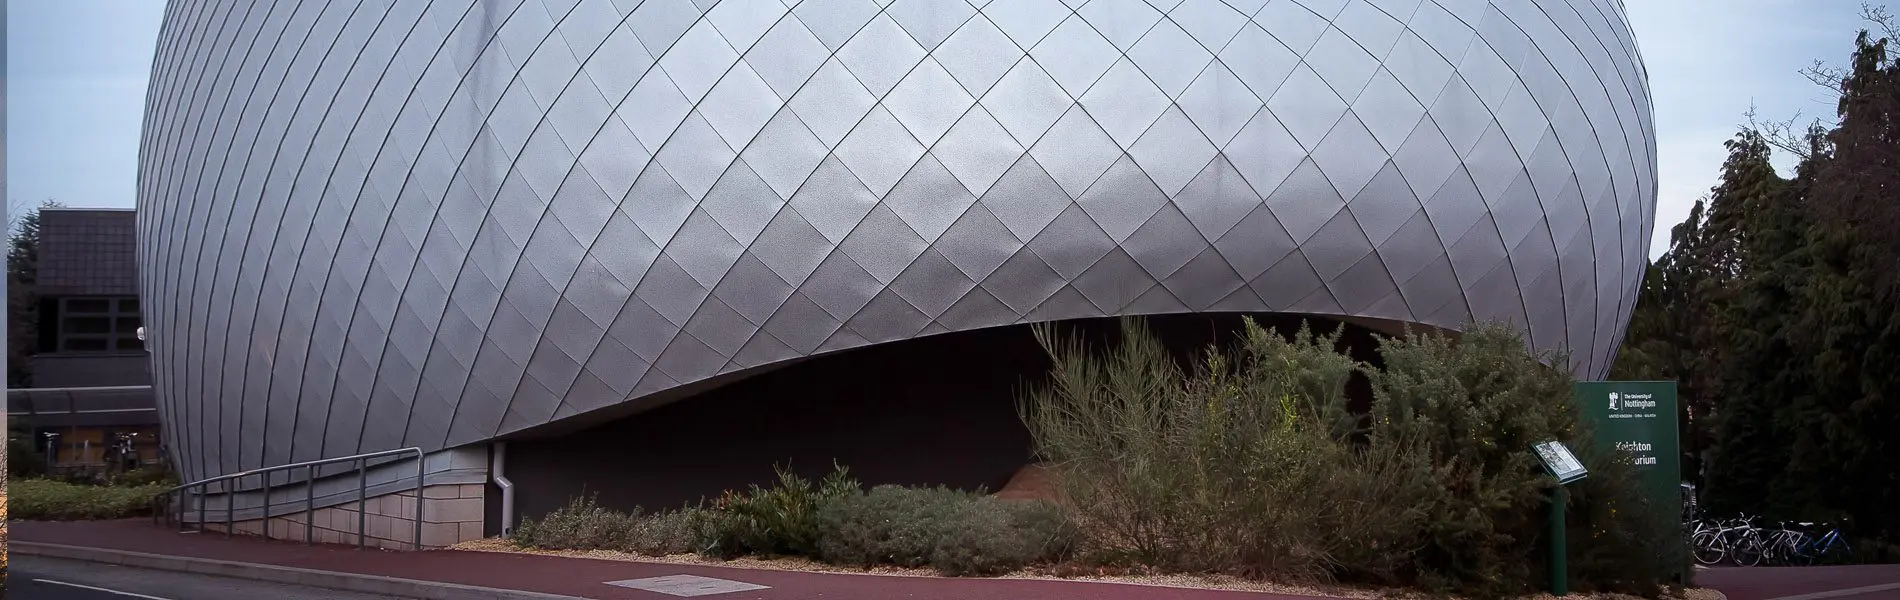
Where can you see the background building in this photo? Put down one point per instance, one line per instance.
(545, 223)
(88, 377)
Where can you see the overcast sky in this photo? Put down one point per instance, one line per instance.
(76, 74)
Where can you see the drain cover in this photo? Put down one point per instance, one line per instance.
(688, 585)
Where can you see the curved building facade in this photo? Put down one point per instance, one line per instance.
(371, 224)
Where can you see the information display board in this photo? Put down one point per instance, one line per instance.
(1639, 419)
(1559, 461)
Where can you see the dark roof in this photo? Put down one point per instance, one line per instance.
(88, 251)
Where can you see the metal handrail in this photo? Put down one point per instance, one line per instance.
(163, 500)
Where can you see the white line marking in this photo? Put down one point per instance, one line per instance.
(1846, 592)
(100, 589)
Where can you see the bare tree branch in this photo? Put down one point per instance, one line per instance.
(1882, 18)
(1785, 135)
(1825, 76)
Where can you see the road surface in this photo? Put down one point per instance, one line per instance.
(40, 578)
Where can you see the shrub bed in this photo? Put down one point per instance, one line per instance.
(957, 533)
(585, 525)
(781, 520)
(1249, 461)
(47, 500)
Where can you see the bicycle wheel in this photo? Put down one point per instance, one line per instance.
(1774, 550)
(1836, 552)
(1748, 550)
(1708, 548)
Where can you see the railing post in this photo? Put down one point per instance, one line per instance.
(175, 502)
(230, 505)
(421, 465)
(309, 504)
(266, 504)
(362, 499)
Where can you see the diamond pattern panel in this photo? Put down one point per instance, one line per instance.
(628, 197)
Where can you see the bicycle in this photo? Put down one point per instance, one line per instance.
(1748, 547)
(1734, 540)
(1827, 547)
(1706, 544)
(1786, 546)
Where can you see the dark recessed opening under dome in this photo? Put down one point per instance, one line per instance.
(935, 410)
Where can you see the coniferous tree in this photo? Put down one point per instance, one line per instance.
(1659, 345)
(23, 311)
(1848, 320)
(1730, 316)
(1789, 329)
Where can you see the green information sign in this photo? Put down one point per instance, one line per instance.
(1639, 418)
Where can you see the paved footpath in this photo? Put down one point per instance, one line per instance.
(1856, 582)
(40, 578)
(584, 578)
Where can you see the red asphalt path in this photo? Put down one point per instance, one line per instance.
(1767, 583)
(579, 576)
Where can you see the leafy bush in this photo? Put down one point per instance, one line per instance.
(1249, 461)
(992, 537)
(24, 458)
(47, 500)
(581, 525)
(1477, 404)
(1240, 464)
(958, 533)
(585, 525)
(151, 475)
(889, 525)
(665, 533)
(780, 520)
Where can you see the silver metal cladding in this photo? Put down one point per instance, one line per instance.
(370, 224)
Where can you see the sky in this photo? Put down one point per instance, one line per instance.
(77, 69)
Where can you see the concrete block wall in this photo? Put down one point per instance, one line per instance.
(451, 513)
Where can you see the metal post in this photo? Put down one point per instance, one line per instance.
(230, 505)
(1559, 563)
(309, 504)
(421, 464)
(362, 499)
(266, 504)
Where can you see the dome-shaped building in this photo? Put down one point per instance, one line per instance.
(369, 225)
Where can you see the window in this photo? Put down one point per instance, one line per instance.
(99, 325)
(88, 305)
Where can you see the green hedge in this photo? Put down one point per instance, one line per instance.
(47, 500)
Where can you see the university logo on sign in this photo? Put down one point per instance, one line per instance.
(1613, 398)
